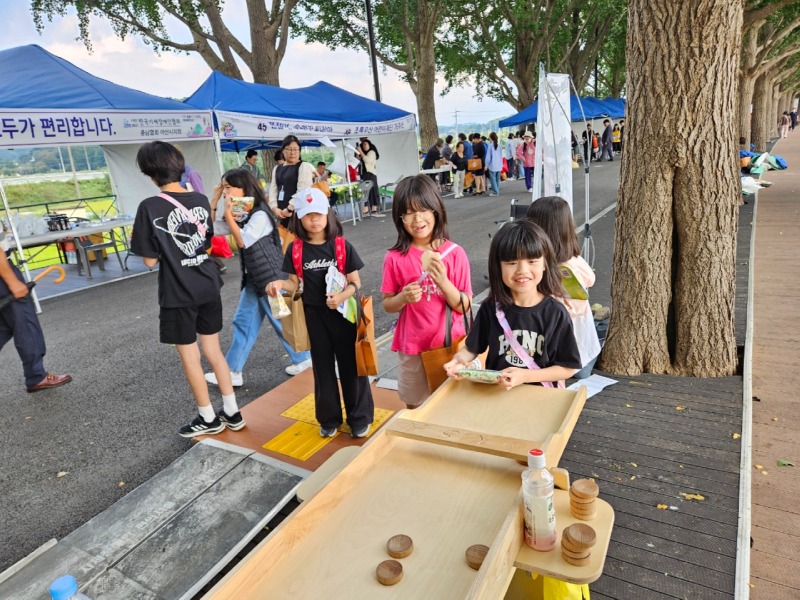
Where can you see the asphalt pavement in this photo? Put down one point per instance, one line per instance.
(69, 453)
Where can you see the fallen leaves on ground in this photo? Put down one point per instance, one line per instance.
(736, 436)
(680, 408)
(121, 484)
(785, 463)
(628, 406)
(62, 473)
(692, 496)
(634, 465)
(759, 467)
(662, 506)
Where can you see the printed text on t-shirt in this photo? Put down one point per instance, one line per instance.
(319, 263)
(532, 342)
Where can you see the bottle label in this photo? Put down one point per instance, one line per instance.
(540, 520)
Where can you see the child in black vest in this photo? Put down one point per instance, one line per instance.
(318, 247)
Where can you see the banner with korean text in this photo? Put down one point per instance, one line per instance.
(233, 126)
(44, 127)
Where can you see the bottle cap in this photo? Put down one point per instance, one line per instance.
(63, 587)
(536, 459)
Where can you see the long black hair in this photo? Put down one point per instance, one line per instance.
(244, 179)
(553, 214)
(416, 194)
(521, 240)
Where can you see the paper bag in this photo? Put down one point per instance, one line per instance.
(287, 237)
(294, 326)
(366, 350)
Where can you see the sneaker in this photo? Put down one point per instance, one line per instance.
(327, 432)
(200, 427)
(298, 368)
(236, 378)
(360, 433)
(234, 422)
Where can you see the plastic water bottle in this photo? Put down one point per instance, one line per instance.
(537, 495)
(66, 588)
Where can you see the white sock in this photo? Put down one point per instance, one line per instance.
(229, 404)
(207, 412)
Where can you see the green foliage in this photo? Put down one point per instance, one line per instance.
(51, 191)
(126, 18)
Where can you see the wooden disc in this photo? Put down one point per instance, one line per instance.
(475, 555)
(582, 512)
(389, 572)
(585, 516)
(578, 562)
(584, 506)
(580, 535)
(568, 544)
(576, 555)
(399, 546)
(578, 500)
(585, 488)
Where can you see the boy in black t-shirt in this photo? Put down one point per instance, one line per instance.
(174, 230)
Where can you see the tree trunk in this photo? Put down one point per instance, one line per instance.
(425, 88)
(760, 114)
(672, 285)
(747, 86)
(774, 110)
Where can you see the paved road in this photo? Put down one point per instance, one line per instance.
(115, 426)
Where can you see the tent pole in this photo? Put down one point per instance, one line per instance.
(18, 246)
(347, 179)
(218, 149)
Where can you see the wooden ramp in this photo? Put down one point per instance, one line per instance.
(776, 379)
(172, 534)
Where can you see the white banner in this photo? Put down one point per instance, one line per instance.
(554, 138)
(241, 126)
(42, 127)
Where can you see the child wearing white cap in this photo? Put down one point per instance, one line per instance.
(319, 246)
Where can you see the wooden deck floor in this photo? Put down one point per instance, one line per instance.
(776, 378)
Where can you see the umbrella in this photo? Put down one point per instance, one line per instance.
(6, 300)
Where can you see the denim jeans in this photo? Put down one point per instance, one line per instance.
(494, 181)
(529, 177)
(247, 323)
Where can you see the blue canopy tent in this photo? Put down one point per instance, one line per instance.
(47, 101)
(588, 108)
(616, 107)
(252, 115)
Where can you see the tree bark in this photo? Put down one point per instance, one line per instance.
(760, 115)
(672, 284)
(747, 86)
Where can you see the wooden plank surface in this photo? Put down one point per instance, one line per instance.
(643, 453)
(430, 492)
(776, 379)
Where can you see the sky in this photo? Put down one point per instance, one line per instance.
(134, 64)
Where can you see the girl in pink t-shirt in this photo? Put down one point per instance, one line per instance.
(421, 295)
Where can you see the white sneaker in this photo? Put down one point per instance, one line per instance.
(298, 368)
(236, 378)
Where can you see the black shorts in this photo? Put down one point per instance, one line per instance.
(181, 325)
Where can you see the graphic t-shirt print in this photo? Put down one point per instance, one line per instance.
(531, 341)
(175, 225)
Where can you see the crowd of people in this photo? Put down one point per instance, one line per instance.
(534, 332)
(426, 282)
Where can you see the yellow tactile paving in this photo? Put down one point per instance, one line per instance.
(304, 411)
(300, 441)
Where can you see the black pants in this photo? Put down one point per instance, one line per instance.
(333, 341)
(373, 193)
(18, 320)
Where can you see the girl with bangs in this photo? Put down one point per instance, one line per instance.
(527, 331)
(424, 273)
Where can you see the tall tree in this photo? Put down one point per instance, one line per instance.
(500, 45)
(771, 32)
(672, 285)
(204, 25)
(405, 35)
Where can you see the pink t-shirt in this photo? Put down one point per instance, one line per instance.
(421, 325)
